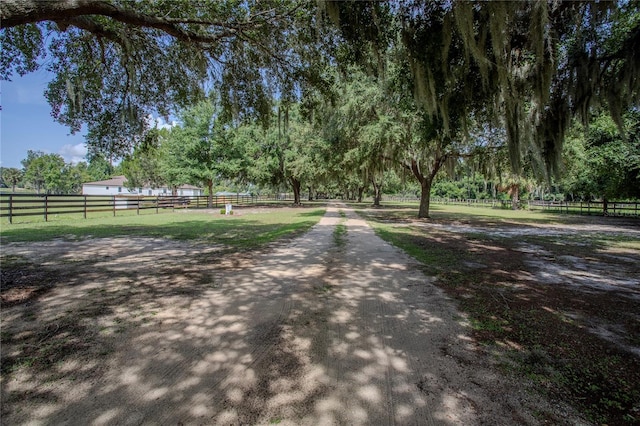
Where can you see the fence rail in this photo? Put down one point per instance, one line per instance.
(593, 208)
(610, 208)
(20, 205)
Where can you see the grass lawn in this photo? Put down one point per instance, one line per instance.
(246, 229)
(553, 297)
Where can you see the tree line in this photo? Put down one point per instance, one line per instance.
(51, 174)
(294, 156)
(347, 93)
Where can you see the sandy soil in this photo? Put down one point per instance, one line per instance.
(317, 331)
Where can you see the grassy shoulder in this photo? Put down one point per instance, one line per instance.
(246, 229)
(542, 329)
(478, 213)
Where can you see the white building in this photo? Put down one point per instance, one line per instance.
(117, 185)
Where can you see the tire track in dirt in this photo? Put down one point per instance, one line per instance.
(376, 316)
(399, 353)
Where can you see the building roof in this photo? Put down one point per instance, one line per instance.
(229, 193)
(114, 181)
(122, 180)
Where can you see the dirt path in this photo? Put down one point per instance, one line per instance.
(328, 329)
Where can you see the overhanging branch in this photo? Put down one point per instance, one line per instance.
(20, 12)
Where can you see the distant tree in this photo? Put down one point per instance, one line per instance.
(12, 176)
(34, 170)
(200, 149)
(45, 171)
(99, 167)
(601, 163)
(362, 126)
(288, 152)
(144, 167)
(305, 153)
(73, 176)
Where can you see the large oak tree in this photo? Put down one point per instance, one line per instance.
(529, 67)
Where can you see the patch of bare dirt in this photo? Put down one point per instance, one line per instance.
(562, 301)
(150, 331)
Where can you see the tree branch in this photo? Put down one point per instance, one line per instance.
(19, 12)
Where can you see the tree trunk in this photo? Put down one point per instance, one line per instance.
(377, 193)
(210, 197)
(515, 197)
(425, 183)
(310, 193)
(425, 198)
(360, 192)
(295, 183)
(605, 206)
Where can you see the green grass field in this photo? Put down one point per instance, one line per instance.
(449, 212)
(246, 230)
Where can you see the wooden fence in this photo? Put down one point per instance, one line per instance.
(593, 208)
(20, 205)
(610, 208)
(452, 201)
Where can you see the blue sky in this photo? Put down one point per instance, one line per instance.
(26, 123)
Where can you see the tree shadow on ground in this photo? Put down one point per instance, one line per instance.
(310, 333)
(561, 307)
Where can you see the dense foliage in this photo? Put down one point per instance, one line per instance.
(344, 97)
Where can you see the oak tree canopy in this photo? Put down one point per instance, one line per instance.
(528, 67)
(116, 62)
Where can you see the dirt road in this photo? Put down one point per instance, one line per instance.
(333, 328)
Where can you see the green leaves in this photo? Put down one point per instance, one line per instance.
(201, 149)
(117, 62)
(21, 48)
(49, 173)
(604, 164)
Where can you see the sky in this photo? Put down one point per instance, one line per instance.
(26, 123)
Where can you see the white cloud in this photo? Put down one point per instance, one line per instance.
(74, 153)
(158, 122)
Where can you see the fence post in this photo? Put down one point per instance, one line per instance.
(11, 208)
(138, 205)
(46, 207)
(85, 206)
